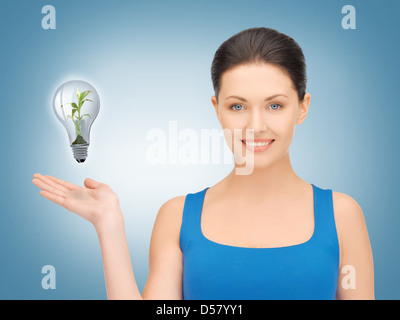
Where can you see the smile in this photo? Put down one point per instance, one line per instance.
(257, 145)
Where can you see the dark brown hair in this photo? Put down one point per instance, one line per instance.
(261, 45)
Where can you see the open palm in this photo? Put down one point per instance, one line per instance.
(90, 202)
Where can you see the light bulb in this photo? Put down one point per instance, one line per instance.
(77, 104)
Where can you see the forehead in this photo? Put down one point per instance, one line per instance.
(251, 78)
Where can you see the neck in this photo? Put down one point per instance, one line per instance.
(268, 182)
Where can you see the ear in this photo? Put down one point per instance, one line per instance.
(303, 110)
(215, 104)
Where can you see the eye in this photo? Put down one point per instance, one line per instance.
(234, 107)
(275, 106)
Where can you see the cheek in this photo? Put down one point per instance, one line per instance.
(232, 126)
(280, 127)
(284, 131)
(228, 120)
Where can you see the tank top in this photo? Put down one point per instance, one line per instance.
(214, 271)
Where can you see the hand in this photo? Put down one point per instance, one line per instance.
(94, 203)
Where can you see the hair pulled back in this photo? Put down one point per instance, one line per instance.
(261, 45)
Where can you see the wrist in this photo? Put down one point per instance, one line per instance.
(111, 219)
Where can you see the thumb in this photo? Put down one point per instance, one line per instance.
(91, 184)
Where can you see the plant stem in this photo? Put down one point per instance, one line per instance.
(76, 126)
(79, 119)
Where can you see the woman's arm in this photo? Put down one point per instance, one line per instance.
(165, 260)
(98, 204)
(118, 274)
(356, 277)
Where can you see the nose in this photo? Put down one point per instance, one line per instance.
(257, 121)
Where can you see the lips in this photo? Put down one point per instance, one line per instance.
(257, 145)
(257, 140)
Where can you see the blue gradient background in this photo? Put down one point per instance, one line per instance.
(150, 63)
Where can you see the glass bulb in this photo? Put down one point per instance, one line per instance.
(77, 104)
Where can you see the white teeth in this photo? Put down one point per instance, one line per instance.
(257, 144)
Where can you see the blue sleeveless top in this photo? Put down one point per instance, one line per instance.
(214, 271)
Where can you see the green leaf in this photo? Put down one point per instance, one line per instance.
(74, 105)
(86, 114)
(83, 95)
(77, 93)
(82, 102)
(73, 112)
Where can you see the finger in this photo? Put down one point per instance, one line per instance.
(68, 185)
(55, 184)
(53, 197)
(92, 184)
(42, 184)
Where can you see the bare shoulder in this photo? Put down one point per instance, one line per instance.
(350, 226)
(173, 208)
(165, 257)
(346, 209)
(355, 247)
(169, 217)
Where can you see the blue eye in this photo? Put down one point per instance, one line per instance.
(238, 107)
(275, 104)
(233, 107)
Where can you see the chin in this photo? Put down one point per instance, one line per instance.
(257, 164)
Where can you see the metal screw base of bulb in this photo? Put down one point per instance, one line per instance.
(80, 151)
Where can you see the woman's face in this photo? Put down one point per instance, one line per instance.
(261, 102)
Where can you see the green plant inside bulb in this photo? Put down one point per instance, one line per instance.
(76, 112)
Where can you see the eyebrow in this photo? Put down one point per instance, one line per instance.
(266, 99)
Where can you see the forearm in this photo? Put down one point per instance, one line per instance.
(119, 278)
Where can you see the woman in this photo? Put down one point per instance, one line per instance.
(264, 234)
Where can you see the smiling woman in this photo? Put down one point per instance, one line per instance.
(267, 234)
(259, 79)
(260, 102)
